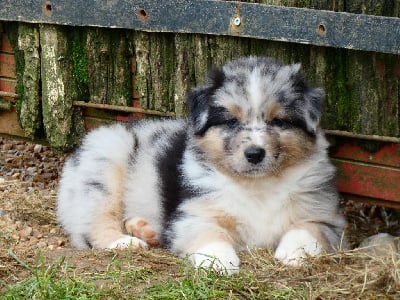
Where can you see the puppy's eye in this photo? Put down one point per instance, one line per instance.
(232, 123)
(277, 122)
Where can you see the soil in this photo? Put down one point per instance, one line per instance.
(29, 175)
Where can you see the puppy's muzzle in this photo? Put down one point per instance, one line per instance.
(254, 155)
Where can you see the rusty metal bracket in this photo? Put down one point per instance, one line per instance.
(306, 26)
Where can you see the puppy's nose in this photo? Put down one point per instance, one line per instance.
(254, 155)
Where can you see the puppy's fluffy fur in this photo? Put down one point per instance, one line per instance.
(248, 168)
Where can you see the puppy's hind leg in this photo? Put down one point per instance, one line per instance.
(107, 231)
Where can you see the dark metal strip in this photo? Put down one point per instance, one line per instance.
(307, 26)
(123, 109)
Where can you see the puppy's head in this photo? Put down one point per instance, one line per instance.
(255, 117)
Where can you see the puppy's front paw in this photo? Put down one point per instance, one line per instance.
(128, 242)
(295, 246)
(218, 256)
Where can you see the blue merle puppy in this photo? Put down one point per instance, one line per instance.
(248, 168)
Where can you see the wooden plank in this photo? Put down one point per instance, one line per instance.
(307, 26)
(368, 180)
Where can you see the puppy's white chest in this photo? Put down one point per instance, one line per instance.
(261, 215)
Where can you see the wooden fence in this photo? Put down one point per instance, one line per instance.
(66, 66)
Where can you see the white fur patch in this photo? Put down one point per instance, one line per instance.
(128, 242)
(295, 245)
(220, 256)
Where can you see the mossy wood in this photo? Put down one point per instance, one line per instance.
(95, 65)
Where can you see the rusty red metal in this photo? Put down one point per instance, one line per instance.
(387, 155)
(369, 175)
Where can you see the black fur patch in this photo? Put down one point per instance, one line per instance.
(215, 77)
(133, 151)
(217, 116)
(96, 185)
(296, 122)
(172, 189)
(200, 99)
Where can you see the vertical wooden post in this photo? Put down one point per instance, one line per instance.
(119, 83)
(142, 75)
(30, 115)
(24, 39)
(202, 59)
(98, 49)
(184, 71)
(162, 62)
(372, 80)
(109, 70)
(59, 89)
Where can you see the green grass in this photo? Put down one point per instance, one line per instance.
(122, 280)
(209, 285)
(45, 283)
(157, 274)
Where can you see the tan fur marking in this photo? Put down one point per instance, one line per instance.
(236, 111)
(225, 225)
(107, 226)
(274, 110)
(227, 222)
(230, 224)
(295, 147)
(212, 145)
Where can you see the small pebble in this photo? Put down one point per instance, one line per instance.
(7, 147)
(37, 148)
(25, 233)
(15, 175)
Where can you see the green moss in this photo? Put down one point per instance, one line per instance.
(343, 111)
(79, 60)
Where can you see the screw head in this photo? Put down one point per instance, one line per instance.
(237, 21)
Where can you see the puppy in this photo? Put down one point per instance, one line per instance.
(248, 168)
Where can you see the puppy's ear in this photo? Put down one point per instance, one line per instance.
(198, 105)
(215, 77)
(200, 99)
(314, 98)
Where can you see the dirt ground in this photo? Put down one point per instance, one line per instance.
(29, 175)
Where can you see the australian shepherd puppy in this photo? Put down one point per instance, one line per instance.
(248, 168)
